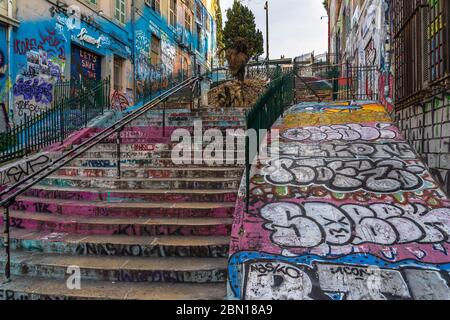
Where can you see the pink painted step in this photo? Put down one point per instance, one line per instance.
(148, 195)
(125, 209)
(152, 173)
(108, 226)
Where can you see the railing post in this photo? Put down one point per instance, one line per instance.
(61, 121)
(6, 242)
(164, 118)
(118, 150)
(248, 167)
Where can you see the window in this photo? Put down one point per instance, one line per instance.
(120, 11)
(91, 2)
(188, 20)
(155, 5)
(173, 13)
(199, 38)
(199, 12)
(3, 7)
(118, 73)
(208, 23)
(436, 36)
(156, 51)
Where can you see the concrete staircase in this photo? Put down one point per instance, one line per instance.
(315, 88)
(161, 231)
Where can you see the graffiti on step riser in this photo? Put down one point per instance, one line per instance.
(23, 169)
(384, 176)
(283, 280)
(349, 132)
(151, 251)
(396, 150)
(314, 224)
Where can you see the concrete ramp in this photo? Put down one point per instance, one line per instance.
(346, 210)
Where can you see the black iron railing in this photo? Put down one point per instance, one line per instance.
(9, 195)
(327, 81)
(75, 107)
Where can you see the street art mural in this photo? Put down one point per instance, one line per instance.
(341, 210)
(4, 81)
(50, 37)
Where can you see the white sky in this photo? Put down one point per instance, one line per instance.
(295, 26)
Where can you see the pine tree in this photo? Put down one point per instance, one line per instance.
(242, 40)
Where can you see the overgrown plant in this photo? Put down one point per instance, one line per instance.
(242, 40)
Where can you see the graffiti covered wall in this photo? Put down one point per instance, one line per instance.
(345, 210)
(56, 43)
(191, 37)
(360, 34)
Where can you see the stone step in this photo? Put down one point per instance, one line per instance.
(142, 163)
(121, 226)
(28, 288)
(124, 208)
(143, 195)
(151, 173)
(163, 154)
(207, 117)
(142, 183)
(119, 245)
(155, 147)
(118, 269)
(186, 123)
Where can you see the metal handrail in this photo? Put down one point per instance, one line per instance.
(46, 171)
(266, 111)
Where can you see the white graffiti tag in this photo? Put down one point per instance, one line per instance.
(276, 280)
(382, 176)
(318, 224)
(349, 132)
(349, 150)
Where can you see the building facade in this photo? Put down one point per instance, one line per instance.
(177, 33)
(422, 71)
(46, 42)
(359, 40)
(7, 23)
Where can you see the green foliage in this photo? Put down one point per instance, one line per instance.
(241, 24)
(219, 24)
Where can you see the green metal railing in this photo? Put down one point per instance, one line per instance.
(54, 125)
(267, 110)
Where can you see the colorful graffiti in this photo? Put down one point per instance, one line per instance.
(119, 101)
(341, 211)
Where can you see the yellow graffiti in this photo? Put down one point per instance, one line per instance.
(367, 113)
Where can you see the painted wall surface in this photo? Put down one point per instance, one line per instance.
(179, 46)
(3, 79)
(360, 34)
(427, 127)
(43, 45)
(345, 211)
(46, 48)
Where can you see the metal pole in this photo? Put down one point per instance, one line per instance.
(118, 149)
(266, 7)
(6, 242)
(164, 118)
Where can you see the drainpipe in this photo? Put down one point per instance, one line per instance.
(9, 59)
(133, 51)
